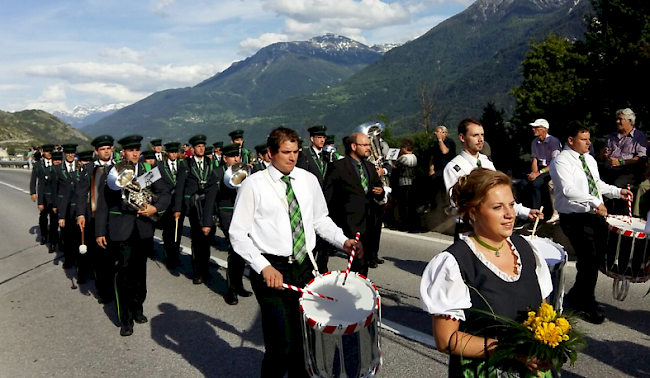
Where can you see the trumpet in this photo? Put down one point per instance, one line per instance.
(373, 130)
(236, 174)
(122, 177)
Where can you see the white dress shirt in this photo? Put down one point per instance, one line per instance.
(571, 188)
(463, 164)
(172, 165)
(260, 222)
(47, 162)
(159, 156)
(444, 292)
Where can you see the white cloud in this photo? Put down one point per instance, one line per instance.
(51, 99)
(12, 87)
(135, 76)
(250, 46)
(160, 5)
(123, 53)
(111, 92)
(196, 12)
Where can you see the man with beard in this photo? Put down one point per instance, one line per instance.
(353, 192)
(87, 195)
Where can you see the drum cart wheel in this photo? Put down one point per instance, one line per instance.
(620, 288)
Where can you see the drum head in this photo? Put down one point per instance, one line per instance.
(552, 252)
(355, 301)
(622, 225)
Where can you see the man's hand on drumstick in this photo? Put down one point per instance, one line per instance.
(351, 243)
(601, 210)
(272, 277)
(535, 214)
(627, 194)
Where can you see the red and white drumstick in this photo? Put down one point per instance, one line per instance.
(629, 204)
(354, 250)
(304, 291)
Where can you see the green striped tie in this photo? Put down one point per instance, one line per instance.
(478, 163)
(593, 189)
(364, 179)
(295, 218)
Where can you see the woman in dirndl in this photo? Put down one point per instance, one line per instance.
(488, 269)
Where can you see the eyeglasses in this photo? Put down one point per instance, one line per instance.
(363, 145)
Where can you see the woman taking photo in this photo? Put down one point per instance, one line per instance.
(488, 269)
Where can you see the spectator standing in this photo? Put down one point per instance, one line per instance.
(441, 153)
(405, 167)
(544, 149)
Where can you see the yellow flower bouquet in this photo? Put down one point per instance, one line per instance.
(544, 335)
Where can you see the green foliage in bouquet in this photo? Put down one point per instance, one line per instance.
(544, 335)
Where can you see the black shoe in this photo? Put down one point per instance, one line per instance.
(43, 241)
(104, 300)
(244, 293)
(50, 249)
(231, 298)
(126, 329)
(591, 315)
(372, 265)
(140, 318)
(380, 260)
(197, 280)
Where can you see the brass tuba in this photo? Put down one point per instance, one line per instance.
(236, 174)
(122, 177)
(373, 130)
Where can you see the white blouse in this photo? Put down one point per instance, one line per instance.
(443, 291)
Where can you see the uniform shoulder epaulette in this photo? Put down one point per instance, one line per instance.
(457, 168)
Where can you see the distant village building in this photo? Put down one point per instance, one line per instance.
(4, 155)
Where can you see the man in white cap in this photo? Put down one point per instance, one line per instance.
(544, 149)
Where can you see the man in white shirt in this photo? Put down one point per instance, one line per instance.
(276, 248)
(472, 136)
(579, 195)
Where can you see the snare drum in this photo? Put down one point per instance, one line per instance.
(627, 258)
(555, 257)
(341, 338)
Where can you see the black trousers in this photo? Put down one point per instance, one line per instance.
(588, 235)
(100, 261)
(409, 220)
(236, 265)
(200, 245)
(70, 239)
(168, 225)
(131, 276)
(281, 321)
(51, 230)
(535, 188)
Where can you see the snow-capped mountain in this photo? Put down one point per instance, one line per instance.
(81, 116)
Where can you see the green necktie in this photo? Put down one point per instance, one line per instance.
(200, 163)
(478, 163)
(364, 179)
(297, 230)
(593, 188)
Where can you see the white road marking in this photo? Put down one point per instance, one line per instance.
(15, 187)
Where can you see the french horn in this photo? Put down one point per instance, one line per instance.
(122, 177)
(236, 174)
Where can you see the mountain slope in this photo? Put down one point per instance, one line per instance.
(244, 90)
(36, 127)
(81, 116)
(467, 60)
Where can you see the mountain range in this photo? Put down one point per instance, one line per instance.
(276, 72)
(81, 116)
(37, 127)
(464, 62)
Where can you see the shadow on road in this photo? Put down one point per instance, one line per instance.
(637, 320)
(191, 334)
(627, 357)
(412, 266)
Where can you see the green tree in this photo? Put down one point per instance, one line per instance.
(497, 134)
(555, 77)
(617, 45)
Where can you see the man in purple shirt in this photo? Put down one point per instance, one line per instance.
(544, 148)
(624, 155)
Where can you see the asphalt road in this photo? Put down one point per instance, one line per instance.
(50, 330)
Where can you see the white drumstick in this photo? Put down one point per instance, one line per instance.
(541, 209)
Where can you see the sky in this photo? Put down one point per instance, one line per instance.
(58, 54)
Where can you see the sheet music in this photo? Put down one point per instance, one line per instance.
(149, 178)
